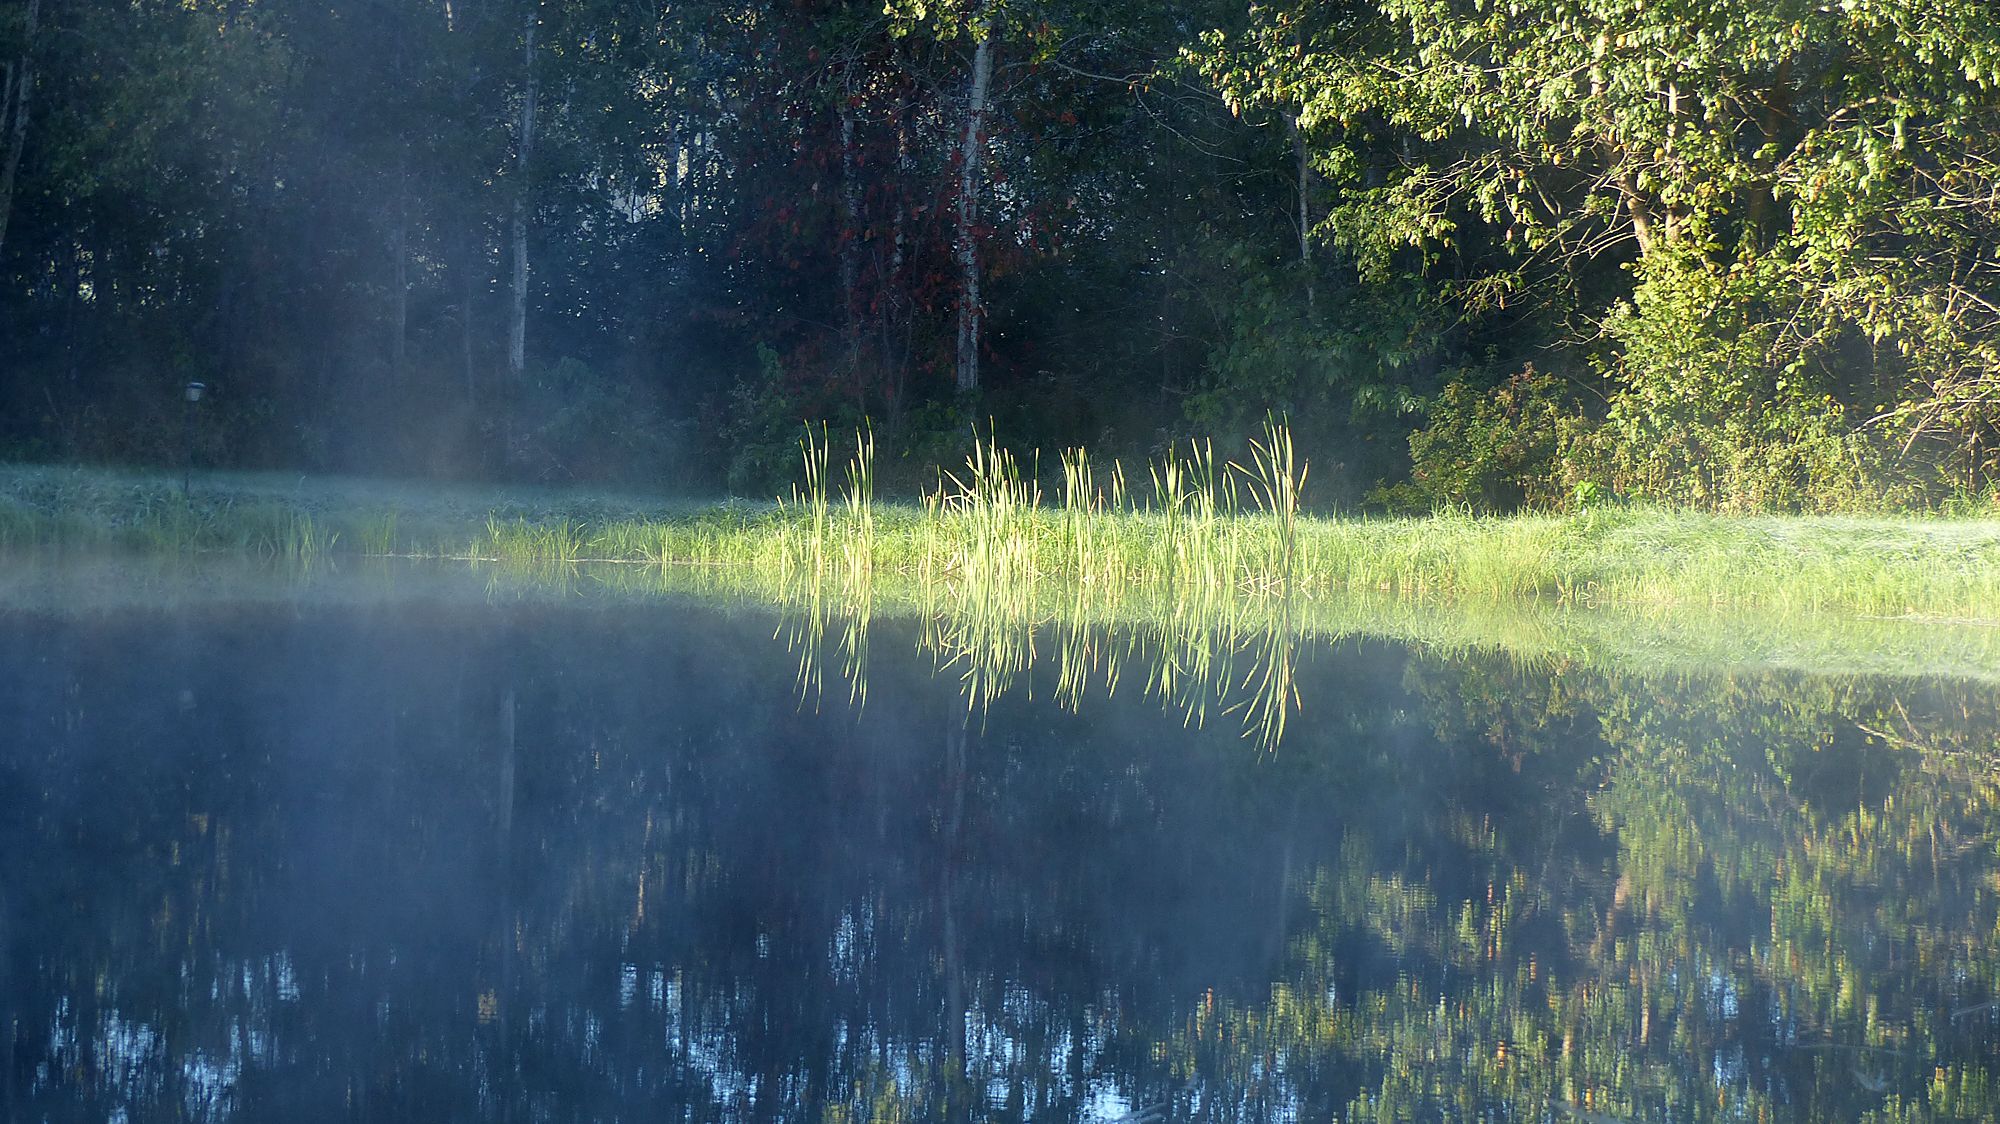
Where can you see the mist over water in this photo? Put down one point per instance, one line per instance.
(438, 855)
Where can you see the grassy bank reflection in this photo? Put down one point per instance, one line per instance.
(548, 845)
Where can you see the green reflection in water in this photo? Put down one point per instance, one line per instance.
(1798, 922)
(1527, 867)
(1199, 655)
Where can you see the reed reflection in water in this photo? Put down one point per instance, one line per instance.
(1199, 655)
(428, 846)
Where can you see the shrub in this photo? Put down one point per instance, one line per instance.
(1706, 415)
(1495, 449)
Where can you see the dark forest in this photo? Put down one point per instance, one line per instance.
(1735, 255)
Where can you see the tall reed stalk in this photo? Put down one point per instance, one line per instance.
(812, 500)
(1276, 478)
(996, 513)
(1205, 522)
(858, 546)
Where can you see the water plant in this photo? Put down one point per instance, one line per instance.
(375, 532)
(1276, 479)
(519, 542)
(858, 545)
(301, 538)
(1198, 520)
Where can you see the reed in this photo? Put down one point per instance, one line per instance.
(1198, 523)
(519, 542)
(375, 533)
(1276, 479)
(301, 538)
(858, 544)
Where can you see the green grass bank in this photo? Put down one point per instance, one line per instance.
(1190, 526)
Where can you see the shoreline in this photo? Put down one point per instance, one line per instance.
(1005, 534)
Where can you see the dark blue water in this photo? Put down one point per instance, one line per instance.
(468, 859)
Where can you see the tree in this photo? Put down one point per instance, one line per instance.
(1832, 167)
(17, 88)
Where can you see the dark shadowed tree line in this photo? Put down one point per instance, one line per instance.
(1730, 254)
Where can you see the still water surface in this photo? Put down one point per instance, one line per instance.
(432, 857)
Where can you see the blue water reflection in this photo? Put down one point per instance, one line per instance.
(438, 859)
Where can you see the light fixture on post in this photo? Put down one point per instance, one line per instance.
(190, 394)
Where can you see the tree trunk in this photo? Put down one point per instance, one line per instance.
(1636, 209)
(850, 242)
(517, 308)
(1170, 227)
(1636, 206)
(71, 270)
(14, 117)
(1771, 118)
(1304, 171)
(902, 184)
(399, 349)
(1673, 215)
(967, 251)
(399, 236)
(472, 250)
(1302, 167)
(896, 316)
(465, 305)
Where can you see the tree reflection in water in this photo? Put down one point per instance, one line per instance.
(561, 861)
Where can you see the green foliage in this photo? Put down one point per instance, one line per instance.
(1710, 413)
(1769, 226)
(578, 423)
(1495, 449)
(761, 428)
(1345, 366)
(1350, 362)
(1787, 177)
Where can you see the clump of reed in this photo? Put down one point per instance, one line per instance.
(297, 537)
(522, 543)
(991, 516)
(375, 533)
(1276, 479)
(1192, 519)
(815, 537)
(983, 543)
(1205, 522)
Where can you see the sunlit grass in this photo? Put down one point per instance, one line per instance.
(537, 544)
(1190, 521)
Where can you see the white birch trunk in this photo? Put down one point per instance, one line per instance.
(967, 251)
(1303, 166)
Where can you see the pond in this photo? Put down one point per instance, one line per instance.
(410, 845)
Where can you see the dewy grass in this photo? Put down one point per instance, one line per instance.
(1196, 525)
(521, 542)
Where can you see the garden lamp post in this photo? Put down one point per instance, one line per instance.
(190, 394)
